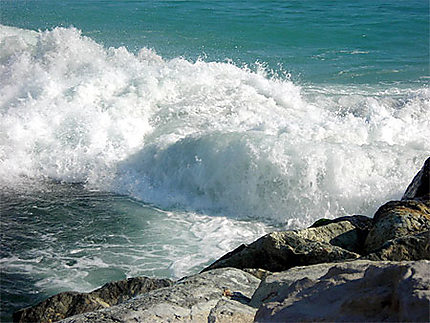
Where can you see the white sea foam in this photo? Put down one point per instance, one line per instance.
(203, 136)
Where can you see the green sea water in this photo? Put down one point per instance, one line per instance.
(316, 41)
(151, 137)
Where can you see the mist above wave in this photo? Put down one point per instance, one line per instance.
(205, 136)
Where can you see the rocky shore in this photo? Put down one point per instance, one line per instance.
(352, 268)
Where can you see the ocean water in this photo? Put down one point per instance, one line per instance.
(151, 137)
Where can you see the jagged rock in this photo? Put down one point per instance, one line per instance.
(358, 291)
(418, 189)
(195, 298)
(279, 251)
(67, 304)
(412, 247)
(396, 219)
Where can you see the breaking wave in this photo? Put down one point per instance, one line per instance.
(210, 137)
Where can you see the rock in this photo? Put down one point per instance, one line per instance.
(412, 247)
(258, 272)
(197, 298)
(357, 291)
(118, 292)
(347, 232)
(396, 219)
(228, 311)
(59, 307)
(67, 304)
(276, 284)
(406, 218)
(361, 222)
(279, 251)
(418, 189)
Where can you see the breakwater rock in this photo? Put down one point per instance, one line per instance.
(219, 295)
(353, 268)
(359, 291)
(67, 304)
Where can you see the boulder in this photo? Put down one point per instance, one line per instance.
(279, 251)
(357, 291)
(411, 247)
(67, 304)
(347, 232)
(216, 296)
(396, 219)
(418, 189)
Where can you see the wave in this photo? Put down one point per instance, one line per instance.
(203, 136)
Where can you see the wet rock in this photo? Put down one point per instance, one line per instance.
(67, 304)
(196, 298)
(418, 189)
(279, 251)
(358, 291)
(396, 219)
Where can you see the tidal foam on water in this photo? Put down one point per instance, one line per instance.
(206, 137)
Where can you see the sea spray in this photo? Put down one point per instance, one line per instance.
(210, 137)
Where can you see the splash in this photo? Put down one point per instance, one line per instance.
(210, 137)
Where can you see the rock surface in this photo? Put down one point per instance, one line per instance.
(348, 232)
(229, 311)
(419, 189)
(397, 219)
(217, 296)
(258, 272)
(411, 247)
(279, 251)
(359, 291)
(276, 284)
(67, 304)
(358, 221)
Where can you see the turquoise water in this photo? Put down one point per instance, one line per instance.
(151, 137)
(315, 41)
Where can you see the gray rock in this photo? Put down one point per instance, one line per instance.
(396, 219)
(195, 298)
(358, 291)
(279, 251)
(418, 189)
(346, 232)
(412, 247)
(229, 311)
(67, 304)
(275, 285)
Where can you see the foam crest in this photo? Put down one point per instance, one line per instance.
(202, 136)
(69, 109)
